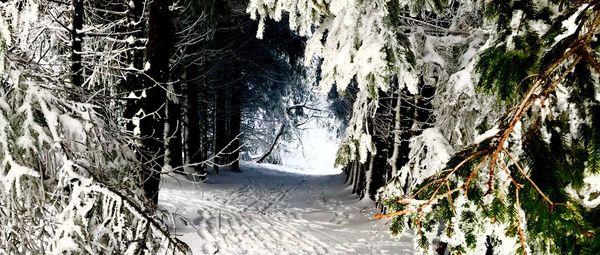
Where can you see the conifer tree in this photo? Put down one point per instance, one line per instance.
(69, 179)
(509, 156)
(523, 187)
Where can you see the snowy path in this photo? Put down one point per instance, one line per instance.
(264, 210)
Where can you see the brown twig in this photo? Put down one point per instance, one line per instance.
(380, 216)
(418, 209)
(445, 179)
(450, 200)
(519, 228)
(473, 174)
(589, 57)
(505, 168)
(529, 179)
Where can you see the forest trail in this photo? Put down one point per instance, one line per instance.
(269, 210)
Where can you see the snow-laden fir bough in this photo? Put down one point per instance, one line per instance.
(69, 180)
(508, 161)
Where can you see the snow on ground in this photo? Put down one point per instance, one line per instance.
(269, 210)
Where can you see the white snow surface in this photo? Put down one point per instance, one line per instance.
(269, 209)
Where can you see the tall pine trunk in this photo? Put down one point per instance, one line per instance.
(133, 57)
(153, 105)
(393, 161)
(194, 126)
(76, 43)
(202, 102)
(234, 126)
(220, 127)
(173, 132)
(173, 127)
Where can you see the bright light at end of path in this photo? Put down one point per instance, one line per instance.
(313, 154)
(294, 170)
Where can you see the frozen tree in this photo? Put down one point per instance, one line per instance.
(67, 179)
(500, 157)
(70, 181)
(354, 43)
(518, 186)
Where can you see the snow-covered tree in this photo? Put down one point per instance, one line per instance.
(506, 160)
(355, 45)
(69, 182)
(519, 186)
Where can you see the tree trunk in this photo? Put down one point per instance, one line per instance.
(353, 171)
(185, 120)
(369, 176)
(378, 173)
(193, 125)
(357, 178)
(135, 58)
(347, 172)
(234, 127)
(220, 128)
(76, 43)
(273, 144)
(393, 161)
(360, 185)
(152, 125)
(173, 131)
(202, 102)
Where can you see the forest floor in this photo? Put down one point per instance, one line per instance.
(267, 209)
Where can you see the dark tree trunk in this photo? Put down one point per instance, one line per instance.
(203, 127)
(220, 127)
(135, 58)
(378, 174)
(152, 125)
(394, 160)
(360, 184)
(76, 43)
(347, 172)
(358, 178)
(235, 119)
(383, 139)
(355, 175)
(273, 144)
(194, 125)
(174, 134)
(353, 170)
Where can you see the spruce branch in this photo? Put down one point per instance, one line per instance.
(489, 150)
(433, 197)
(530, 98)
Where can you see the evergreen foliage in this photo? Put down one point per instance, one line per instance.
(68, 179)
(475, 124)
(554, 144)
(476, 177)
(71, 179)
